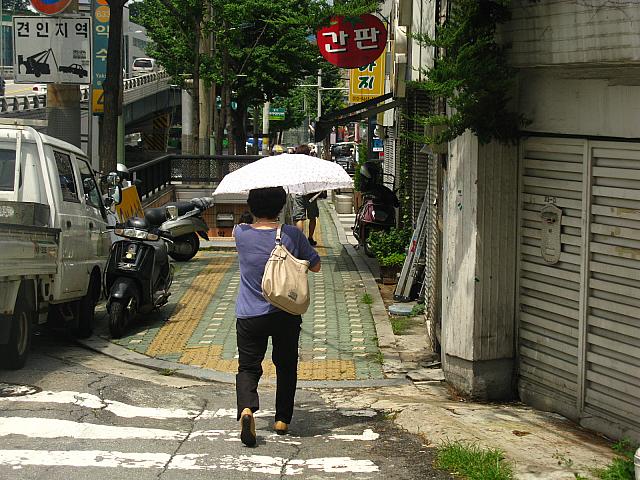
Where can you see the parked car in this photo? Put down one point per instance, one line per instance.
(53, 238)
(143, 66)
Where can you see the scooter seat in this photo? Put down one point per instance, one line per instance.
(157, 216)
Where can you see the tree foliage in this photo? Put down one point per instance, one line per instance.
(16, 6)
(473, 75)
(261, 48)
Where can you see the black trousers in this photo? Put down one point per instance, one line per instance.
(252, 335)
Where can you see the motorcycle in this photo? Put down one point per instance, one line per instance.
(379, 204)
(138, 275)
(185, 229)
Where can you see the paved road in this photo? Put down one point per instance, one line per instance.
(93, 417)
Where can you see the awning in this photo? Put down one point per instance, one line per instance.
(353, 113)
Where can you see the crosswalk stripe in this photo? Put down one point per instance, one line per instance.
(88, 400)
(37, 427)
(245, 463)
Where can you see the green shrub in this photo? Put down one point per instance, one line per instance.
(385, 244)
(393, 260)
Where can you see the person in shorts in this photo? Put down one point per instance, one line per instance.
(305, 206)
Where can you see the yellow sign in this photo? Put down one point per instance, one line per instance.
(130, 205)
(367, 82)
(97, 100)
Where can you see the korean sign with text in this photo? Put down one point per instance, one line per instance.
(100, 13)
(368, 81)
(351, 42)
(52, 49)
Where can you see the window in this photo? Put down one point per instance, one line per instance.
(66, 177)
(7, 169)
(142, 63)
(91, 192)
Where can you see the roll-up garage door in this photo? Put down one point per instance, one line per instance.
(579, 311)
(549, 293)
(613, 316)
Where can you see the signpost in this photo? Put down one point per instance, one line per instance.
(52, 50)
(367, 82)
(100, 13)
(352, 42)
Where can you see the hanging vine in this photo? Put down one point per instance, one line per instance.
(472, 76)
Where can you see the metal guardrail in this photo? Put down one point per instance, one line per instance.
(158, 174)
(19, 103)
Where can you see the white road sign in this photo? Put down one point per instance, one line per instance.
(52, 49)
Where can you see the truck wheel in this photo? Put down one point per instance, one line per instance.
(188, 249)
(120, 314)
(86, 310)
(14, 354)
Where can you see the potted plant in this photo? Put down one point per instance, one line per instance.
(389, 248)
(390, 267)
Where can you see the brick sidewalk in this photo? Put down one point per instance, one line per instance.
(338, 340)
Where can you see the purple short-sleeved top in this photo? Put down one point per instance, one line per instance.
(254, 247)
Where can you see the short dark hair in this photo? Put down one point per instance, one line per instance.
(303, 148)
(266, 202)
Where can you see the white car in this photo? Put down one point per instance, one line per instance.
(143, 66)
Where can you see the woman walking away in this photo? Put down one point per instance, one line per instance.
(257, 319)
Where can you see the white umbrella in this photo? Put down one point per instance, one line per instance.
(295, 172)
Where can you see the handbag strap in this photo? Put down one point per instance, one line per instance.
(278, 235)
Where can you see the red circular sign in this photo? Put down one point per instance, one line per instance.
(50, 7)
(352, 42)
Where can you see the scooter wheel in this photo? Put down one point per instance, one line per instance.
(192, 241)
(118, 317)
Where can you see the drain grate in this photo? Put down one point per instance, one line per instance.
(17, 390)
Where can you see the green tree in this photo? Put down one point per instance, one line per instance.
(16, 6)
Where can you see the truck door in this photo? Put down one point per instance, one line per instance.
(71, 216)
(98, 240)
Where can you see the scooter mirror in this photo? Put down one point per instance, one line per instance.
(113, 179)
(172, 212)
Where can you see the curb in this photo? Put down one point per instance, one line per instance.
(105, 347)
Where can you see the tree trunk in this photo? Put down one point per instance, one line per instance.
(220, 121)
(112, 91)
(239, 118)
(195, 88)
(227, 103)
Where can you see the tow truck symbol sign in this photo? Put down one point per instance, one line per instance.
(38, 65)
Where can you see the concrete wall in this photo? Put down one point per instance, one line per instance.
(587, 106)
(479, 245)
(561, 32)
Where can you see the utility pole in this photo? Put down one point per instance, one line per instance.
(204, 128)
(319, 93)
(63, 105)
(265, 128)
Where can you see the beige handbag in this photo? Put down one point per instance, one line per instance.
(284, 283)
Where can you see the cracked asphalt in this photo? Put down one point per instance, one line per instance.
(96, 417)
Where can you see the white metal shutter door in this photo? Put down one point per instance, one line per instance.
(551, 172)
(390, 158)
(612, 383)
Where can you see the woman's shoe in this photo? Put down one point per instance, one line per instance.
(247, 428)
(280, 427)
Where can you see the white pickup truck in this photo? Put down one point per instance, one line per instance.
(53, 239)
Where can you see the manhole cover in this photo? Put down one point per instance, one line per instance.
(17, 389)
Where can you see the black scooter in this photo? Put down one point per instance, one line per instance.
(138, 273)
(379, 203)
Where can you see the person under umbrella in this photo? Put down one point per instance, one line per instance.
(257, 319)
